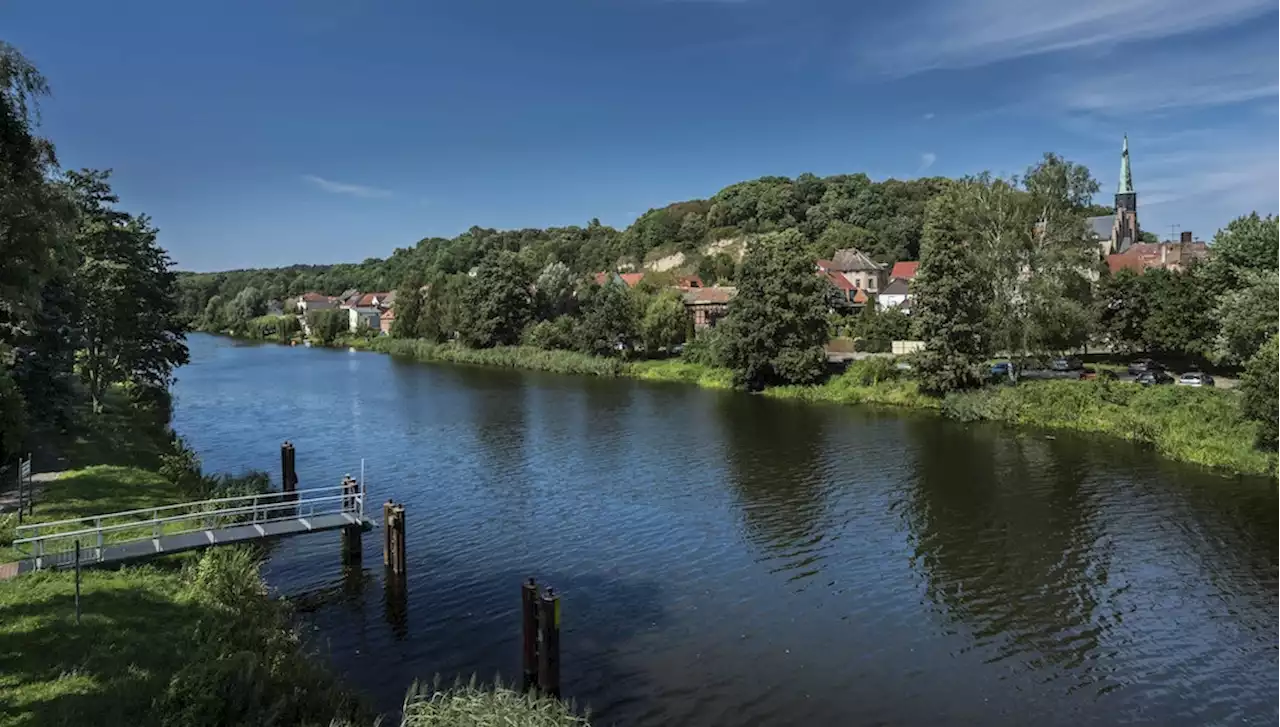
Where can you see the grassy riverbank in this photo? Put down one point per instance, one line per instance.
(185, 640)
(1201, 426)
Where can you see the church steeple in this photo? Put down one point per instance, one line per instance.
(1126, 175)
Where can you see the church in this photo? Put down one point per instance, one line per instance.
(1118, 232)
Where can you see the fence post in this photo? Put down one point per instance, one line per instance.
(31, 500)
(77, 581)
(529, 633)
(396, 526)
(97, 523)
(549, 644)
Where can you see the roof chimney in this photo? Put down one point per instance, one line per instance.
(1186, 237)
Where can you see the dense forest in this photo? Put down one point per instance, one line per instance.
(884, 219)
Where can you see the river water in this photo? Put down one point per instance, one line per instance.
(726, 559)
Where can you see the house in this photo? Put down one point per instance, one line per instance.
(708, 305)
(630, 280)
(348, 297)
(386, 320)
(309, 302)
(863, 272)
(365, 310)
(904, 270)
(896, 294)
(844, 294)
(689, 281)
(1169, 255)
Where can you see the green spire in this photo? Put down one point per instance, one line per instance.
(1126, 176)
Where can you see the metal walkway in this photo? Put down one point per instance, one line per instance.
(122, 536)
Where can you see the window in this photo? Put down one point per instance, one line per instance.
(871, 284)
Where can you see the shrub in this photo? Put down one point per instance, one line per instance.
(708, 348)
(1258, 389)
(474, 706)
(873, 370)
(560, 334)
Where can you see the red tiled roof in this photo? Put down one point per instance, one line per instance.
(312, 297)
(632, 279)
(690, 281)
(825, 265)
(709, 296)
(860, 296)
(367, 299)
(1123, 261)
(601, 277)
(838, 280)
(905, 270)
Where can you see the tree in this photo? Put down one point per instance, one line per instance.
(1121, 310)
(717, 269)
(499, 300)
(1260, 396)
(666, 322)
(408, 308)
(879, 328)
(248, 304)
(129, 299)
(554, 288)
(776, 328)
(1180, 318)
(327, 325)
(1247, 316)
(950, 316)
(1249, 243)
(1061, 183)
(610, 320)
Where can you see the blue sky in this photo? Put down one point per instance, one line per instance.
(266, 133)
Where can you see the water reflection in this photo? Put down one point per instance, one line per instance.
(395, 601)
(777, 467)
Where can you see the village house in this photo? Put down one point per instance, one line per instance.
(309, 302)
(858, 268)
(897, 294)
(364, 310)
(707, 305)
(630, 280)
(386, 320)
(843, 292)
(1176, 256)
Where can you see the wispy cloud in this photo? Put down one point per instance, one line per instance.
(967, 33)
(928, 116)
(353, 190)
(926, 160)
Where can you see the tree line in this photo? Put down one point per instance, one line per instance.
(88, 300)
(884, 219)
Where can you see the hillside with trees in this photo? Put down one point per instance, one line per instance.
(884, 219)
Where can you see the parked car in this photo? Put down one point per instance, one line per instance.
(1195, 378)
(1066, 363)
(1089, 373)
(1153, 377)
(1144, 365)
(1004, 370)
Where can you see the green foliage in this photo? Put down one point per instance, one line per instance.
(949, 310)
(776, 327)
(327, 325)
(684, 371)
(1247, 316)
(470, 705)
(554, 291)
(1246, 244)
(1180, 318)
(1260, 397)
(666, 322)
(873, 370)
(1121, 311)
(524, 357)
(709, 348)
(610, 323)
(718, 269)
(13, 418)
(877, 329)
(499, 301)
(559, 334)
(409, 310)
(129, 305)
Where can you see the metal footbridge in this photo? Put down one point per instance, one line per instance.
(134, 534)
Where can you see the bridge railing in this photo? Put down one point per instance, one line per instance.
(53, 543)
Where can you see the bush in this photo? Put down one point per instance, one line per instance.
(873, 370)
(473, 706)
(560, 334)
(1258, 389)
(708, 348)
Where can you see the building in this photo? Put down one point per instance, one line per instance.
(1169, 255)
(689, 281)
(843, 292)
(707, 305)
(309, 302)
(904, 270)
(1117, 232)
(896, 294)
(364, 309)
(386, 321)
(860, 270)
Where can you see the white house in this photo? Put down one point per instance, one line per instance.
(896, 294)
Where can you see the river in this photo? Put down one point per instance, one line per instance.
(726, 559)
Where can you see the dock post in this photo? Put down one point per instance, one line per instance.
(529, 632)
(393, 539)
(386, 532)
(352, 540)
(549, 644)
(396, 602)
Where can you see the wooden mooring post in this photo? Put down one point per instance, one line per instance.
(540, 639)
(352, 540)
(288, 467)
(529, 633)
(393, 545)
